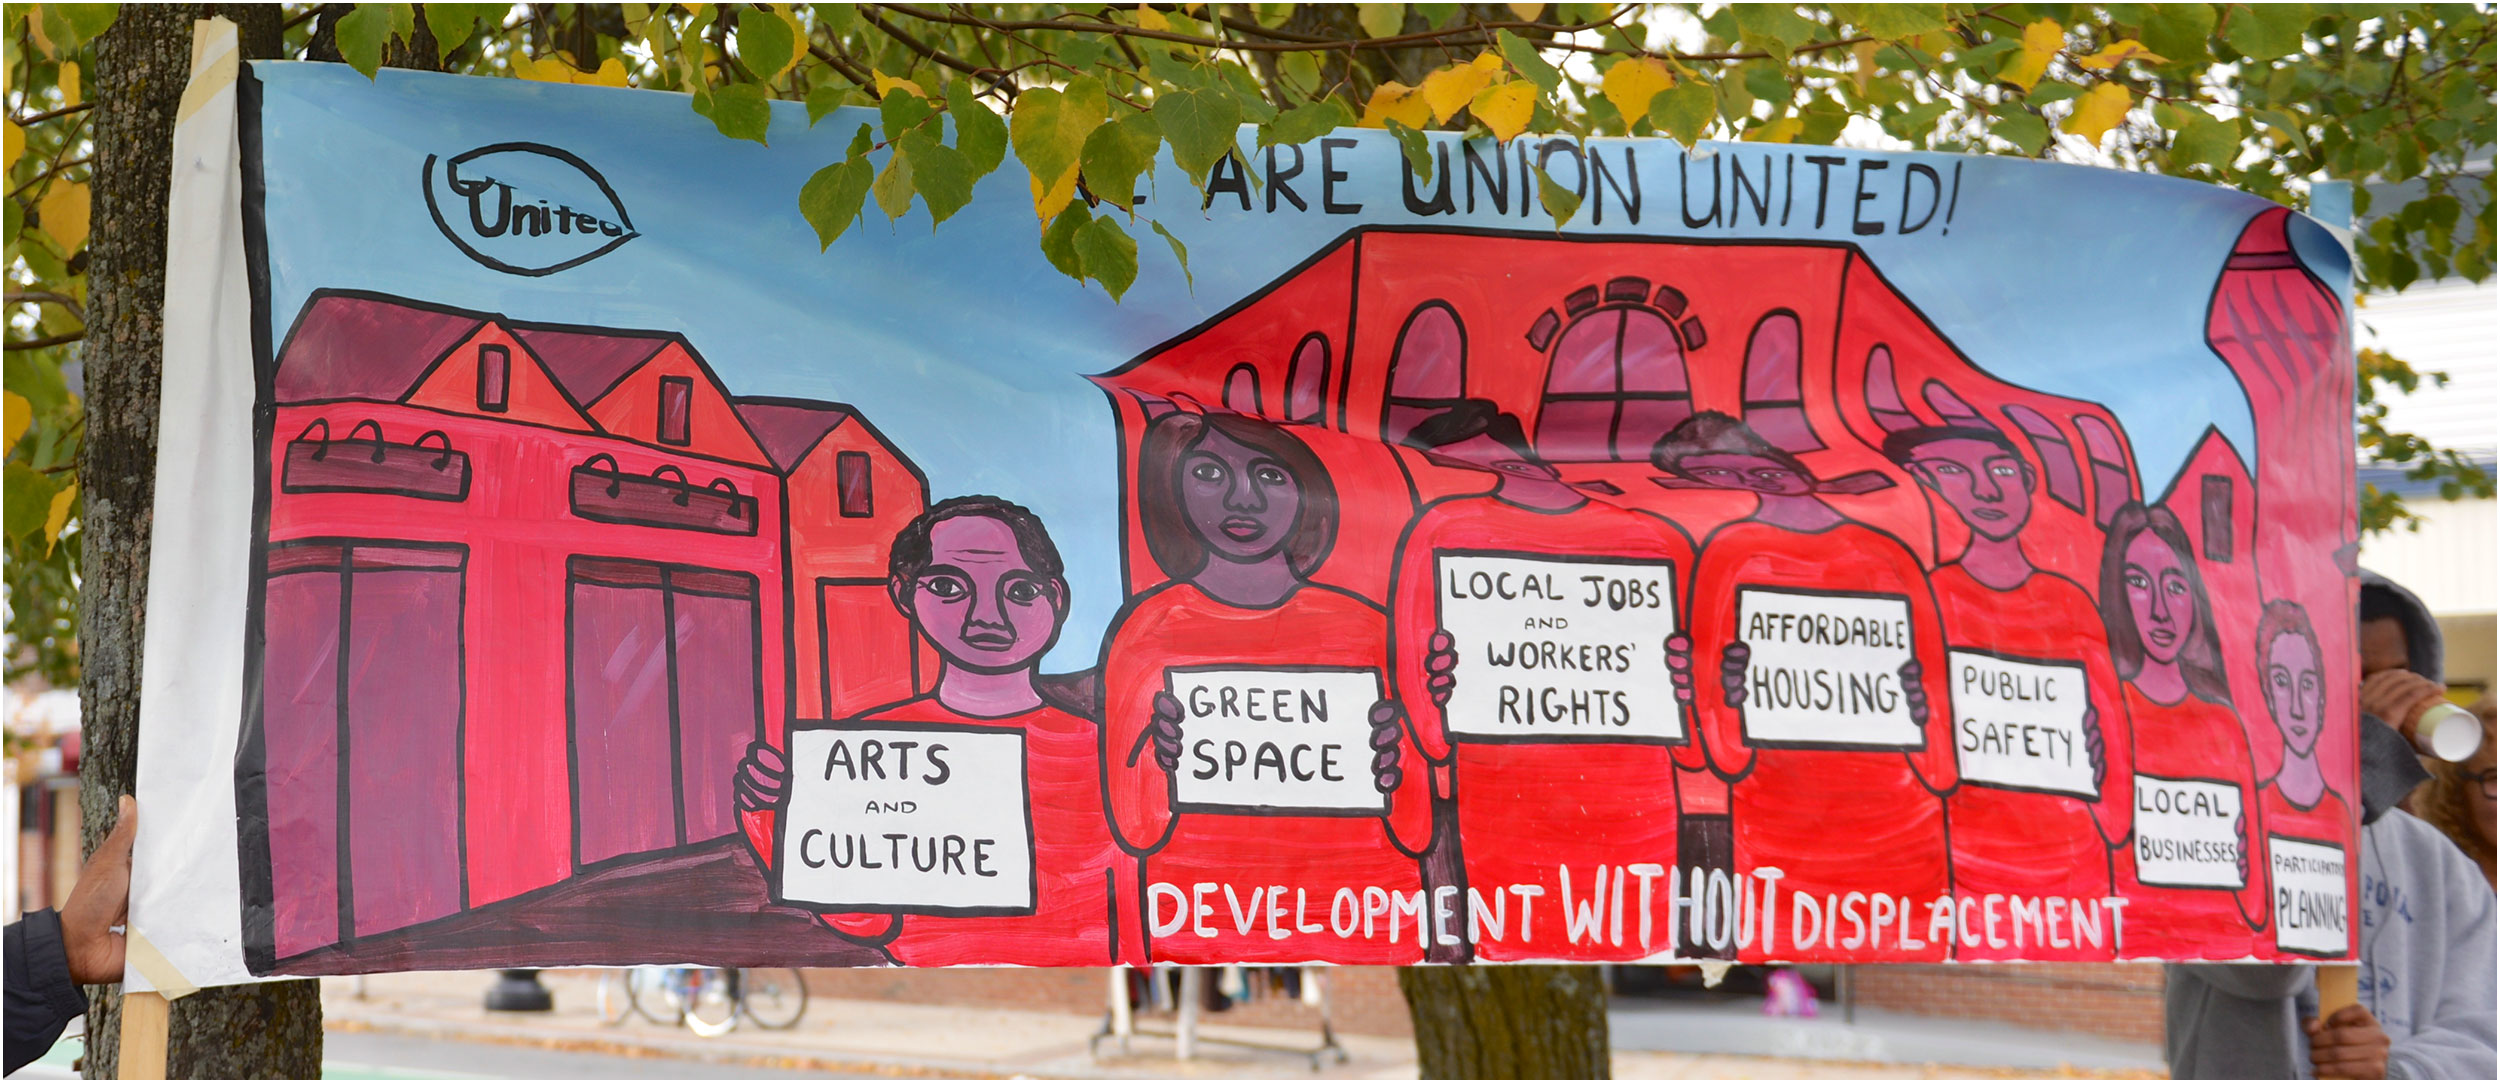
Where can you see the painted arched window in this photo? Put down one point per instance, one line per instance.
(1306, 382)
(2056, 454)
(1950, 406)
(1241, 390)
(1883, 396)
(1427, 369)
(2111, 486)
(1617, 380)
(1775, 402)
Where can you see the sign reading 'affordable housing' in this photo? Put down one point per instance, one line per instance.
(1555, 648)
(1826, 668)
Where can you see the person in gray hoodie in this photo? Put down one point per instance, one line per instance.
(2427, 996)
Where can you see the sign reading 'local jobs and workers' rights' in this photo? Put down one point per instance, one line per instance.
(921, 819)
(2018, 724)
(1276, 739)
(1825, 668)
(1558, 649)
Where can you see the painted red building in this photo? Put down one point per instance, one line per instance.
(534, 588)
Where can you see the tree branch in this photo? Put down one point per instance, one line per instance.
(66, 110)
(868, 12)
(48, 341)
(37, 297)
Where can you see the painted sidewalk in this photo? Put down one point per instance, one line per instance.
(859, 1037)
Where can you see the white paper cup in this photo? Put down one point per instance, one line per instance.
(2449, 732)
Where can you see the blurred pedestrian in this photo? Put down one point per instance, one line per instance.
(51, 954)
(2458, 798)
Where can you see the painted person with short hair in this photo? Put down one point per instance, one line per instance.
(982, 582)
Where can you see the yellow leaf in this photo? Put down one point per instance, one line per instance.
(19, 414)
(2119, 52)
(58, 517)
(1489, 62)
(2098, 111)
(1048, 202)
(1783, 130)
(16, 140)
(611, 73)
(64, 214)
(1398, 102)
(887, 83)
(2041, 40)
(69, 82)
(34, 28)
(541, 70)
(1527, 12)
(1449, 90)
(1630, 84)
(1150, 19)
(1864, 51)
(1506, 108)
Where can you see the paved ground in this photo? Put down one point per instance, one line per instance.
(860, 1038)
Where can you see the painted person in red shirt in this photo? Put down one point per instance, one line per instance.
(1587, 793)
(1239, 513)
(981, 580)
(2038, 818)
(1838, 783)
(2296, 805)
(2185, 872)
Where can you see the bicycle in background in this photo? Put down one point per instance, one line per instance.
(707, 1000)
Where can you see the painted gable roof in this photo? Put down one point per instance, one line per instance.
(587, 364)
(787, 429)
(348, 346)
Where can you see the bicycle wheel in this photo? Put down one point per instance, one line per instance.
(653, 993)
(711, 1000)
(773, 997)
(616, 997)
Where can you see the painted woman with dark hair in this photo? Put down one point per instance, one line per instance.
(1240, 513)
(2186, 874)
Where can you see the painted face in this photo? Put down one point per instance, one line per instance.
(1486, 453)
(1750, 473)
(2295, 691)
(1986, 484)
(2158, 596)
(979, 602)
(1241, 502)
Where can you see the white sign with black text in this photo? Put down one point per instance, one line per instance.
(1292, 739)
(915, 819)
(2187, 833)
(1558, 648)
(1825, 668)
(2310, 906)
(2019, 724)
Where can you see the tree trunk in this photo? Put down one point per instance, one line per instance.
(142, 63)
(1507, 1022)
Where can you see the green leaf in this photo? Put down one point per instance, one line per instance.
(1059, 238)
(1247, 91)
(1116, 153)
(453, 24)
(2179, 33)
(1380, 20)
(1685, 109)
(1201, 125)
(765, 43)
(361, 35)
(826, 97)
(2023, 130)
(899, 114)
(1110, 255)
(2050, 92)
(1304, 123)
(2285, 123)
(1418, 150)
(1523, 59)
(979, 133)
(1776, 28)
(1557, 200)
(940, 173)
(29, 501)
(893, 185)
(1179, 252)
(2205, 141)
(1049, 127)
(69, 26)
(838, 18)
(1891, 22)
(832, 198)
(738, 110)
(2264, 31)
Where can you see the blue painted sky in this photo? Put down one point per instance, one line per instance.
(2081, 282)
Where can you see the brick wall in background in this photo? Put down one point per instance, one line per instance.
(2112, 1000)
(1362, 1000)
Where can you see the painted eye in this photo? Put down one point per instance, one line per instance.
(2003, 471)
(1269, 475)
(1207, 472)
(1024, 592)
(1950, 468)
(2137, 581)
(945, 587)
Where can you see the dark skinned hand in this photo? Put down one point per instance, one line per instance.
(2347, 1044)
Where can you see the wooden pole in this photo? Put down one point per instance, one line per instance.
(2339, 986)
(145, 1021)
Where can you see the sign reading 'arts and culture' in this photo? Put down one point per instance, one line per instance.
(1802, 554)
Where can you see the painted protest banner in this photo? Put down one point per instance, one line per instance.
(2311, 911)
(1568, 648)
(521, 586)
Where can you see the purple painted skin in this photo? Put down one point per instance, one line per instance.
(1990, 488)
(2296, 696)
(2165, 615)
(1242, 504)
(1523, 482)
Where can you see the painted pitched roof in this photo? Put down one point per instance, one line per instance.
(588, 363)
(346, 346)
(787, 429)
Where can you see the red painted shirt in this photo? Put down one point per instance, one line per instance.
(2198, 740)
(1793, 807)
(1528, 808)
(1273, 879)
(2024, 843)
(1085, 887)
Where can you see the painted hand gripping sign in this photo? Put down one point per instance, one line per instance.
(564, 562)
